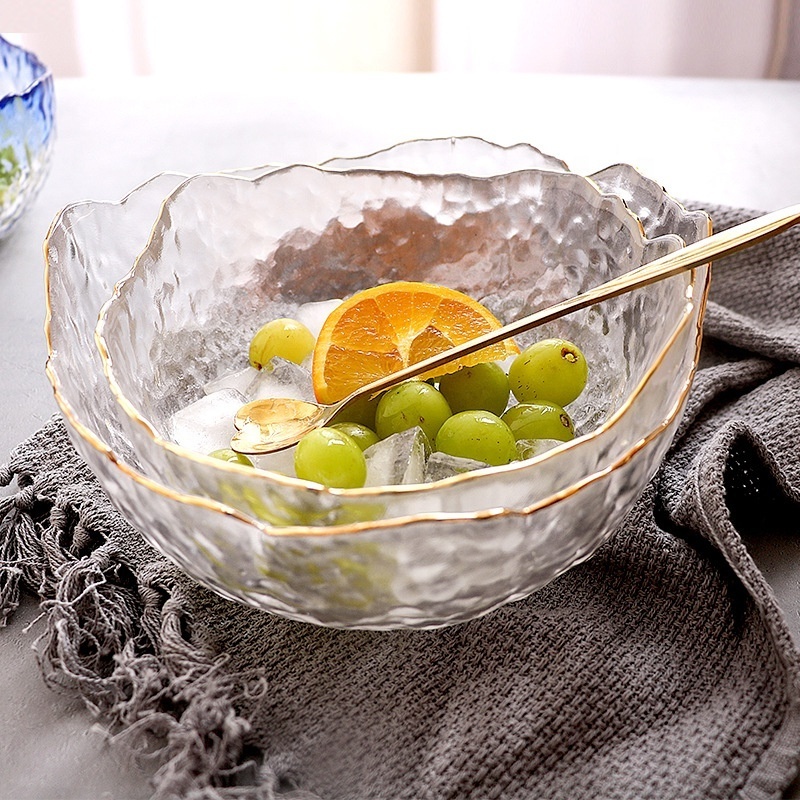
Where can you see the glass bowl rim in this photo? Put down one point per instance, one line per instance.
(436, 139)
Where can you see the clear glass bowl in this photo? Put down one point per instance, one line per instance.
(27, 130)
(416, 570)
(185, 314)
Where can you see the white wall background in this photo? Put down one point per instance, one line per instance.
(723, 38)
(109, 38)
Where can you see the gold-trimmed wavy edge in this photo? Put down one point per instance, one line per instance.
(353, 528)
(278, 479)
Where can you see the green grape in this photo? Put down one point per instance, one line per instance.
(363, 436)
(539, 421)
(361, 410)
(479, 435)
(411, 404)
(552, 370)
(281, 338)
(231, 456)
(332, 458)
(481, 387)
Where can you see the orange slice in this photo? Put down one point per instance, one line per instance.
(383, 329)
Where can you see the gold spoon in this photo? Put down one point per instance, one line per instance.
(265, 426)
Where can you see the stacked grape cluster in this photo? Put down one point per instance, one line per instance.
(465, 414)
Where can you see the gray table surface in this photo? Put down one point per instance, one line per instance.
(734, 142)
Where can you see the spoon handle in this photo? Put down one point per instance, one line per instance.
(694, 255)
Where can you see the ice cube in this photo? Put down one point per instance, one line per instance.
(313, 315)
(281, 461)
(530, 448)
(399, 458)
(442, 465)
(239, 380)
(207, 424)
(285, 379)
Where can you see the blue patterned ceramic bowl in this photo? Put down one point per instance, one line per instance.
(27, 130)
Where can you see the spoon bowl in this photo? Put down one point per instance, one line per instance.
(266, 426)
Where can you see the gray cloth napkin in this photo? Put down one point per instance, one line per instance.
(660, 668)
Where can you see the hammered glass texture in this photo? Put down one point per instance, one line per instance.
(398, 573)
(27, 130)
(469, 155)
(203, 286)
(421, 574)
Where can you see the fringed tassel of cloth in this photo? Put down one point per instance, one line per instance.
(21, 555)
(117, 632)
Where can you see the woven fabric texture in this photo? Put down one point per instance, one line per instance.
(662, 667)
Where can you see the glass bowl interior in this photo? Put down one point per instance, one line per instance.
(516, 242)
